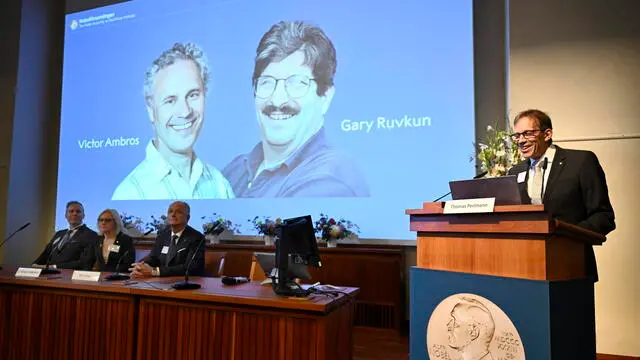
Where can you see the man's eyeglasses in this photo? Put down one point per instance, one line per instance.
(106, 220)
(528, 134)
(296, 86)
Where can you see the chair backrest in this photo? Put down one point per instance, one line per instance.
(237, 263)
(256, 273)
(214, 263)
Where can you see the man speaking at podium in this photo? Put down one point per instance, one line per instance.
(570, 183)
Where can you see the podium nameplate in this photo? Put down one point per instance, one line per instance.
(469, 206)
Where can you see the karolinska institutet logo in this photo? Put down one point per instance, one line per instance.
(468, 326)
(74, 24)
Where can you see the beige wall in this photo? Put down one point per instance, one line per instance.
(580, 61)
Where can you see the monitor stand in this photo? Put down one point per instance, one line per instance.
(288, 288)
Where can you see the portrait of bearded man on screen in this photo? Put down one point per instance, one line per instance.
(293, 86)
(175, 89)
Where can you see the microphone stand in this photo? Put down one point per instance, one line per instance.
(117, 275)
(186, 285)
(49, 270)
(13, 233)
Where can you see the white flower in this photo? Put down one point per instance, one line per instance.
(489, 128)
(500, 168)
(500, 153)
(483, 146)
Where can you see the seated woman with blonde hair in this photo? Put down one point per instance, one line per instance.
(115, 251)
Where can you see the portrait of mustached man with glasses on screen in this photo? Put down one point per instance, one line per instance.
(293, 87)
(570, 183)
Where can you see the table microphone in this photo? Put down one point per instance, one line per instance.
(474, 178)
(230, 280)
(117, 275)
(13, 233)
(186, 285)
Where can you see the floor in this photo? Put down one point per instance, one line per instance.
(374, 344)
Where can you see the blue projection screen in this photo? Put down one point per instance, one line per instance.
(355, 109)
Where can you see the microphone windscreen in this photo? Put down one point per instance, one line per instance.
(229, 280)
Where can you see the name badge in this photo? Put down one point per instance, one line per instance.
(165, 250)
(85, 275)
(522, 177)
(467, 206)
(114, 248)
(28, 272)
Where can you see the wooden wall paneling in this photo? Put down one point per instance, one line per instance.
(5, 313)
(57, 324)
(205, 331)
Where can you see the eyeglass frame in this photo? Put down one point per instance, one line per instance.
(255, 87)
(532, 134)
(105, 220)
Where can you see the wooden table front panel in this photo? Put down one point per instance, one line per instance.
(178, 330)
(57, 324)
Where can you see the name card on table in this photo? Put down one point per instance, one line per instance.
(28, 272)
(85, 275)
(468, 206)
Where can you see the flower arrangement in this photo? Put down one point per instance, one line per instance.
(498, 153)
(132, 224)
(157, 224)
(265, 226)
(216, 225)
(330, 229)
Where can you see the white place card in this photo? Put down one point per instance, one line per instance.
(468, 206)
(85, 275)
(28, 272)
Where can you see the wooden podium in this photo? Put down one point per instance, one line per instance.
(530, 266)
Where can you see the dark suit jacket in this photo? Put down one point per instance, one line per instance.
(122, 259)
(576, 192)
(175, 261)
(77, 253)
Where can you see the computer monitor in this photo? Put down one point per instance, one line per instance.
(296, 244)
(267, 262)
(503, 188)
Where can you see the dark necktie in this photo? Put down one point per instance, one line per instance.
(174, 240)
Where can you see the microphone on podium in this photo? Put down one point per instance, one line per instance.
(545, 163)
(12, 234)
(482, 174)
(118, 275)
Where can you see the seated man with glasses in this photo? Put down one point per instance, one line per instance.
(570, 183)
(293, 87)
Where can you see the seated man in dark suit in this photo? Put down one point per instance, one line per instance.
(174, 247)
(71, 248)
(570, 183)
